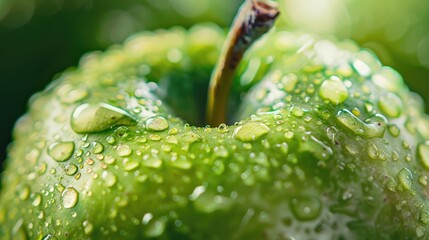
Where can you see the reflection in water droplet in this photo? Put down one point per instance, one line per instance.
(61, 151)
(250, 132)
(157, 124)
(90, 118)
(70, 197)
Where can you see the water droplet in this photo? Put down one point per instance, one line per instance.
(388, 78)
(218, 167)
(305, 208)
(155, 137)
(297, 111)
(70, 197)
(391, 105)
(423, 152)
(251, 131)
(289, 82)
(222, 128)
(182, 163)
(70, 94)
(37, 199)
(157, 124)
(98, 147)
(121, 132)
(366, 63)
(372, 128)
(124, 150)
(110, 140)
(70, 169)
(130, 165)
(91, 118)
(190, 137)
(155, 228)
(333, 90)
(372, 151)
(173, 131)
(109, 178)
(61, 151)
(60, 188)
(394, 130)
(208, 202)
(24, 193)
(424, 216)
(87, 227)
(405, 179)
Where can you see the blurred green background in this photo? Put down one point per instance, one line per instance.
(39, 38)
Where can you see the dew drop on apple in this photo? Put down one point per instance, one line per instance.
(87, 227)
(98, 147)
(49, 237)
(91, 118)
(109, 178)
(366, 63)
(24, 193)
(152, 161)
(305, 208)
(157, 124)
(69, 94)
(423, 152)
(388, 78)
(124, 150)
(373, 127)
(190, 137)
(61, 151)
(155, 228)
(69, 197)
(37, 199)
(250, 132)
(130, 165)
(70, 169)
(391, 105)
(110, 140)
(405, 178)
(181, 162)
(372, 151)
(394, 130)
(222, 128)
(334, 90)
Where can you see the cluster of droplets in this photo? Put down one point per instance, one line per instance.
(144, 153)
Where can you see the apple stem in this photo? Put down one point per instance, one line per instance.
(254, 19)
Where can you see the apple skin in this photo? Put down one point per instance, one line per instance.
(327, 145)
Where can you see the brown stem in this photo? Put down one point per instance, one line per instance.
(254, 19)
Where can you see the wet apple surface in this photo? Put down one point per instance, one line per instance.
(322, 142)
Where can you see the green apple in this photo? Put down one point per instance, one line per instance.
(320, 142)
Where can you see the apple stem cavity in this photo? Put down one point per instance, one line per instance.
(254, 19)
